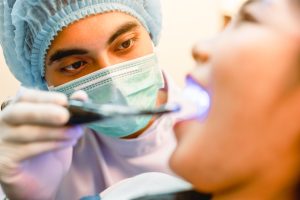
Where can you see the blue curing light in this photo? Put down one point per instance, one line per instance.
(198, 96)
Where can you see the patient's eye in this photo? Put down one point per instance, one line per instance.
(246, 16)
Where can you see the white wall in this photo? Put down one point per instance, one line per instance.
(8, 84)
(185, 22)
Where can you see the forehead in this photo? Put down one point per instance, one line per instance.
(99, 27)
(280, 15)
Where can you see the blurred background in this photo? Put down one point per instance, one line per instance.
(184, 23)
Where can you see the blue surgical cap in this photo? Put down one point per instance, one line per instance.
(27, 28)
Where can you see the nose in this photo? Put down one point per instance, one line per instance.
(201, 51)
(104, 60)
(202, 54)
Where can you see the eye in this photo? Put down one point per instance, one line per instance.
(126, 45)
(246, 16)
(74, 67)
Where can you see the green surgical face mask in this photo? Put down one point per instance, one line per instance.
(133, 83)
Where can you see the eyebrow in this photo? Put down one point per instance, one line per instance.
(123, 29)
(248, 3)
(244, 6)
(251, 1)
(62, 53)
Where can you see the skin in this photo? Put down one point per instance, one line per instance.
(100, 52)
(248, 147)
(201, 53)
(118, 38)
(33, 140)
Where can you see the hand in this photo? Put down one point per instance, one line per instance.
(36, 149)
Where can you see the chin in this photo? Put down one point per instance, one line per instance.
(185, 168)
(205, 177)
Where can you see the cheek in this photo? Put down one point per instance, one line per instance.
(239, 59)
(250, 66)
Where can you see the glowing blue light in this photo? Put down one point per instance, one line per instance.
(198, 96)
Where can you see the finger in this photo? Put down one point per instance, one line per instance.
(19, 153)
(44, 147)
(39, 114)
(30, 134)
(80, 95)
(36, 96)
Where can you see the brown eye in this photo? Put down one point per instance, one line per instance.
(247, 17)
(125, 45)
(75, 66)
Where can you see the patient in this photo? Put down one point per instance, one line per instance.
(248, 147)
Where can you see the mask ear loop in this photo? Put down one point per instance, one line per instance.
(47, 86)
(4, 104)
(166, 86)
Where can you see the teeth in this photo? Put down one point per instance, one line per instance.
(196, 102)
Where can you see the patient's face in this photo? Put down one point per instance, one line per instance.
(254, 85)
